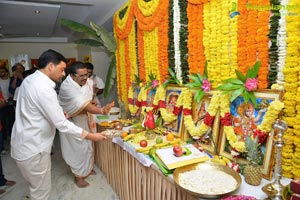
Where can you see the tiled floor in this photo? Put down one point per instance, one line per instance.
(63, 186)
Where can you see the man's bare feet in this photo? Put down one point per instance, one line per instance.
(93, 172)
(81, 183)
(10, 183)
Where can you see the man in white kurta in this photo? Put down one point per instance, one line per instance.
(75, 96)
(38, 114)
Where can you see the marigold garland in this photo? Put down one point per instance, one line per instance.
(196, 58)
(209, 118)
(263, 43)
(163, 41)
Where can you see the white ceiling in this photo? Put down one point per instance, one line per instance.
(20, 23)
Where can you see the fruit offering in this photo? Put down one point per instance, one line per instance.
(178, 151)
(159, 140)
(143, 143)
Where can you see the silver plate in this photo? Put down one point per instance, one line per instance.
(205, 166)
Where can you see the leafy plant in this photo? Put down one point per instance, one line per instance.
(200, 83)
(153, 82)
(172, 79)
(97, 36)
(242, 85)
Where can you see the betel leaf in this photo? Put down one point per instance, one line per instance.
(81, 28)
(108, 39)
(110, 76)
(240, 76)
(234, 81)
(236, 93)
(252, 72)
(89, 42)
(253, 98)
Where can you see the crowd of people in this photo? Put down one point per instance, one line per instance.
(39, 111)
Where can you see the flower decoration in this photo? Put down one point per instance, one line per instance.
(153, 82)
(200, 83)
(242, 85)
(137, 81)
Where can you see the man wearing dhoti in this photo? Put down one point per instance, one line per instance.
(76, 99)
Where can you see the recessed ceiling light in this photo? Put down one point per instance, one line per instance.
(37, 12)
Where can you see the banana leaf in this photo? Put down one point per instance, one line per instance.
(81, 28)
(89, 42)
(108, 40)
(110, 76)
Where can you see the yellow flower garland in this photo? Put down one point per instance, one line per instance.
(188, 121)
(167, 116)
(132, 107)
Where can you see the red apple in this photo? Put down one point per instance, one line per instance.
(177, 150)
(143, 143)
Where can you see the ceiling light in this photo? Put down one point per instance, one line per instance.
(37, 12)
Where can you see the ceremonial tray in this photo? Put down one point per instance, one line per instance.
(205, 167)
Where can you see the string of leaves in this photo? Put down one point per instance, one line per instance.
(183, 46)
(273, 49)
(171, 49)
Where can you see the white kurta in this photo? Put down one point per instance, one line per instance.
(78, 154)
(38, 113)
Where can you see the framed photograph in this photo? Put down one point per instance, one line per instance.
(198, 114)
(172, 95)
(245, 118)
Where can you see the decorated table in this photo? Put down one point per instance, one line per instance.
(133, 175)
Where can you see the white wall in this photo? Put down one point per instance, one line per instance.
(34, 50)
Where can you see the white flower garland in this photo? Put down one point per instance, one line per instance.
(281, 39)
(176, 25)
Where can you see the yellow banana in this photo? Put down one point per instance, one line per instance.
(128, 137)
(143, 149)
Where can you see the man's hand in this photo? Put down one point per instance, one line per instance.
(107, 108)
(96, 136)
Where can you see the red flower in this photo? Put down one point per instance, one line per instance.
(261, 136)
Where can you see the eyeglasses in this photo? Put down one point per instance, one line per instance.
(81, 75)
(90, 74)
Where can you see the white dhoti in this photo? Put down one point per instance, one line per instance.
(78, 154)
(37, 172)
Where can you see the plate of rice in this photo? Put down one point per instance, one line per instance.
(207, 180)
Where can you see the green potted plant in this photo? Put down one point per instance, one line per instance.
(97, 36)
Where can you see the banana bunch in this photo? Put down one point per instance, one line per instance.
(221, 160)
(159, 130)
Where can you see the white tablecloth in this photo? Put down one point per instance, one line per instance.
(245, 189)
